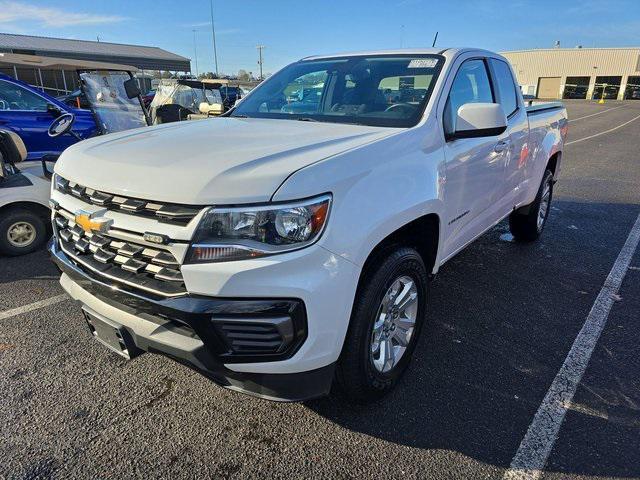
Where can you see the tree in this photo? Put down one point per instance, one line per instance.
(207, 75)
(243, 76)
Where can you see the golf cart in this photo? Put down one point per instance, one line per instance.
(24, 198)
(109, 91)
(24, 191)
(185, 99)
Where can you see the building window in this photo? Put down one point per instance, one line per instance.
(609, 85)
(632, 92)
(576, 87)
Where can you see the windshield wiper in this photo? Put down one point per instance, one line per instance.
(307, 119)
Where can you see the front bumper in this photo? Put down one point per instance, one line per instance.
(190, 330)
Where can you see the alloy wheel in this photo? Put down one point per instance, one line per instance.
(394, 324)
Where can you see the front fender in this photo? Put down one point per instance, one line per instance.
(377, 189)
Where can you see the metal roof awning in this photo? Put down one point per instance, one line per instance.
(53, 63)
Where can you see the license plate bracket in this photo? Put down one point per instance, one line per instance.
(112, 335)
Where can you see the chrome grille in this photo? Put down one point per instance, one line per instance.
(167, 212)
(149, 269)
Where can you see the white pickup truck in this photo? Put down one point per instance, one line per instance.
(288, 246)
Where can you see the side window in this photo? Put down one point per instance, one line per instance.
(471, 85)
(14, 97)
(506, 86)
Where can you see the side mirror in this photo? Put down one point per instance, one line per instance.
(479, 120)
(210, 109)
(53, 110)
(131, 88)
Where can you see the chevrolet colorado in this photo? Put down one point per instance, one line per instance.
(280, 250)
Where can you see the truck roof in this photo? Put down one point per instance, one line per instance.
(399, 51)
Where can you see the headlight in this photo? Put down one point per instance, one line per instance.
(226, 234)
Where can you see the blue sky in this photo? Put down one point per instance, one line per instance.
(291, 29)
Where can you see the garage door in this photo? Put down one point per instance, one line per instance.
(549, 87)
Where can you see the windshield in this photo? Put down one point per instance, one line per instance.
(389, 91)
(113, 109)
(183, 95)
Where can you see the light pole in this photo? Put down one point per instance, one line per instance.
(213, 32)
(195, 52)
(260, 48)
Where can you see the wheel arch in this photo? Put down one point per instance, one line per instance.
(553, 164)
(423, 234)
(39, 209)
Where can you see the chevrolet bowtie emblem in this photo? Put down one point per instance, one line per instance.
(93, 221)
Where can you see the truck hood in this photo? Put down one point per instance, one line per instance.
(205, 162)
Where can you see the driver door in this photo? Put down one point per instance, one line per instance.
(474, 166)
(25, 113)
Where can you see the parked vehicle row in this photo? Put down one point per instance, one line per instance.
(35, 126)
(296, 255)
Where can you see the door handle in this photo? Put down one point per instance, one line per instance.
(501, 146)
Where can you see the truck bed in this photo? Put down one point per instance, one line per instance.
(543, 107)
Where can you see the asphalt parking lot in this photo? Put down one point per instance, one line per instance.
(502, 319)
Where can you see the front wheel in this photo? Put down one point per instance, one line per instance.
(21, 232)
(385, 323)
(526, 224)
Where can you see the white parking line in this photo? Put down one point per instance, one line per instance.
(33, 306)
(605, 132)
(594, 114)
(531, 457)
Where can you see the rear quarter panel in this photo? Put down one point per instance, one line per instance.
(547, 134)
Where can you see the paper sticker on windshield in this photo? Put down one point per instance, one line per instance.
(423, 63)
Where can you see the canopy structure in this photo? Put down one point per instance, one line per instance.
(19, 60)
(58, 76)
(141, 56)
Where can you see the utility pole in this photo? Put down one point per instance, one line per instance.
(213, 32)
(260, 48)
(195, 51)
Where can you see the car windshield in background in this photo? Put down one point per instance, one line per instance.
(113, 109)
(389, 91)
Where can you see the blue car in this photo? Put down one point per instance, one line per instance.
(29, 112)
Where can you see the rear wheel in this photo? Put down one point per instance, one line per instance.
(527, 223)
(21, 232)
(386, 321)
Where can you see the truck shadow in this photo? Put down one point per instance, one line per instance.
(502, 317)
(34, 266)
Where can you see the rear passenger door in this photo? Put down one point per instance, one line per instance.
(474, 167)
(516, 153)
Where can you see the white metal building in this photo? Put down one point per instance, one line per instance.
(578, 72)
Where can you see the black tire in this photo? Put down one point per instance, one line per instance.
(523, 223)
(9, 218)
(356, 374)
